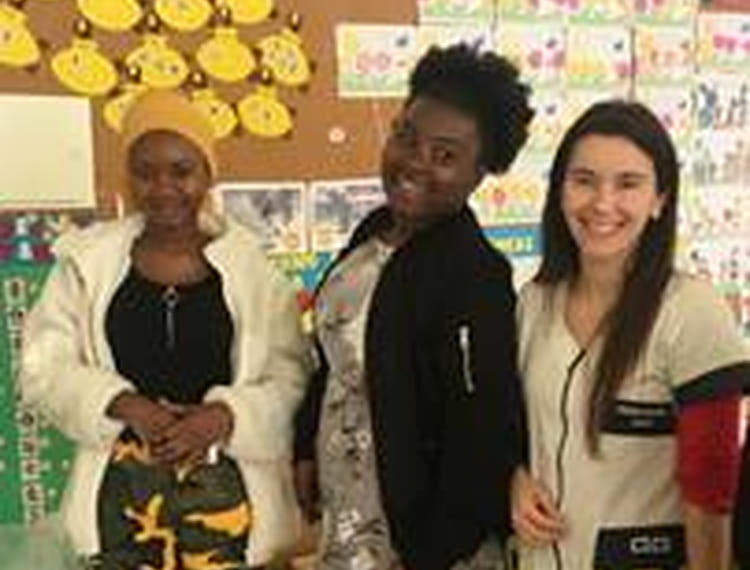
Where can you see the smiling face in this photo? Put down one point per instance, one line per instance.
(609, 195)
(169, 179)
(430, 163)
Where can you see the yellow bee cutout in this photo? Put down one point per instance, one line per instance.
(225, 57)
(162, 67)
(248, 11)
(82, 68)
(223, 117)
(184, 15)
(112, 15)
(116, 107)
(284, 55)
(18, 48)
(263, 114)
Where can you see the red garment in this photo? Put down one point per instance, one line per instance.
(708, 454)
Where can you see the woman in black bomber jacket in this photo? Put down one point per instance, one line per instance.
(412, 425)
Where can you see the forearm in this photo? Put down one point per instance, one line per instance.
(121, 405)
(707, 539)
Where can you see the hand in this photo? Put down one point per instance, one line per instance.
(306, 488)
(536, 519)
(198, 427)
(144, 416)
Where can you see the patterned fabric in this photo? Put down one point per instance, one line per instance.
(156, 517)
(355, 534)
(355, 531)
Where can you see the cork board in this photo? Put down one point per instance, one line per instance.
(305, 155)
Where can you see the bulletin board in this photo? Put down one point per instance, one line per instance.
(356, 127)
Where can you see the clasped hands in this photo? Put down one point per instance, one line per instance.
(176, 434)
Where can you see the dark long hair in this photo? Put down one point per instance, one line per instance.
(628, 324)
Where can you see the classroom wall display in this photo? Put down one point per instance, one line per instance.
(301, 101)
(337, 206)
(41, 170)
(264, 71)
(275, 211)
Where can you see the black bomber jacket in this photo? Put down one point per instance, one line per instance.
(447, 411)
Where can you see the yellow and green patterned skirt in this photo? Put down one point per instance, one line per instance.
(157, 517)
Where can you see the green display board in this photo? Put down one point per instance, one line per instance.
(34, 457)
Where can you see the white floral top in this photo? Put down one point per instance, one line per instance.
(355, 529)
(355, 532)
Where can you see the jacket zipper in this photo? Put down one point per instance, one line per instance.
(170, 297)
(464, 343)
(565, 433)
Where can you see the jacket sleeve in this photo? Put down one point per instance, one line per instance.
(482, 434)
(263, 408)
(57, 374)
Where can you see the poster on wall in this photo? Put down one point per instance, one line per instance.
(536, 47)
(514, 197)
(598, 54)
(611, 11)
(664, 53)
(442, 36)
(724, 41)
(46, 152)
(374, 60)
(663, 11)
(673, 104)
(456, 12)
(722, 102)
(337, 206)
(274, 211)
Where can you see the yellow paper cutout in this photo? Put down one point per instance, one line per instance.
(284, 55)
(161, 66)
(116, 107)
(222, 116)
(262, 114)
(248, 11)
(225, 57)
(112, 15)
(82, 68)
(184, 15)
(18, 48)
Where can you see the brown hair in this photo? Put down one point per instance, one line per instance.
(628, 325)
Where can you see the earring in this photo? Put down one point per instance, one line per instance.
(655, 215)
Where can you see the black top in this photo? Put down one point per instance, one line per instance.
(445, 398)
(177, 357)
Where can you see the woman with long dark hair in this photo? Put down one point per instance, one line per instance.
(631, 369)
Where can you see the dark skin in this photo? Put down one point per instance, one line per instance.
(430, 166)
(169, 178)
